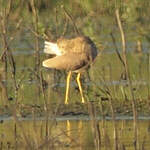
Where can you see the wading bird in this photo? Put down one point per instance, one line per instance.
(73, 55)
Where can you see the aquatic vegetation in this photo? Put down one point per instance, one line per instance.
(112, 87)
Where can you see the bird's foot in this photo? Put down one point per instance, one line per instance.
(66, 102)
(83, 100)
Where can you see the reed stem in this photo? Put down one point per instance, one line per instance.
(134, 109)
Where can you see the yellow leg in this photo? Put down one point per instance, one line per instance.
(67, 86)
(80, 88)
(68, 128)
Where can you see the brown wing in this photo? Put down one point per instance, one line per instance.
(81, 44)
(69, 61)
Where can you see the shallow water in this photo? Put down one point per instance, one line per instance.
(71, 134)
(97, 20)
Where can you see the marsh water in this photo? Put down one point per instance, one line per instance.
(71, 134)
(116, 115)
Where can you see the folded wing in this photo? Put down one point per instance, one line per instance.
(69, 61)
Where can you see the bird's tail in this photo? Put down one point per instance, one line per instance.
(51, 48)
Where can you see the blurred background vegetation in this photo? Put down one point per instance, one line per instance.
(29, 90)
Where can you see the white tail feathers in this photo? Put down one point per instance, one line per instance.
(51, 48)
